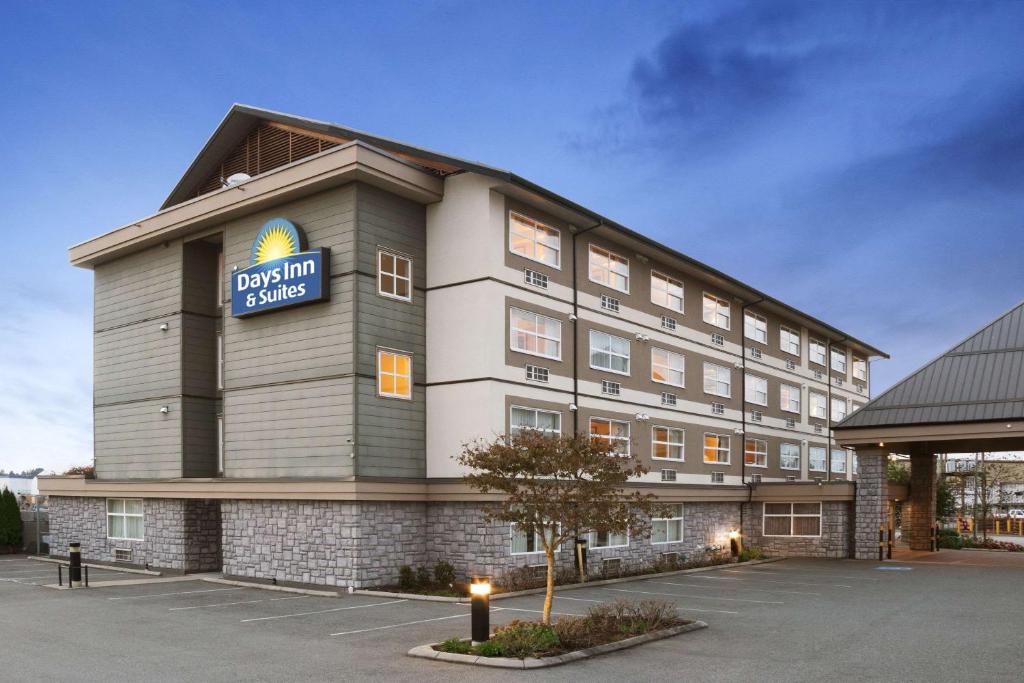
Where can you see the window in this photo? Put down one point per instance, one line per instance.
(535, 278)
(789, 340)
(609, 304)
(220, 359)
(614, 432)
(125, 519)
(838, 461)
(718, 477)
(668, 399)
(668, 529)
(838, 409)
(394, 275)
(717, 339)
(666, 291)
(546, 421)
(535, 334)
(394, 374)
(817, 405)
(668, 323)
(755, 327)
(757, 390)
(860, 369)
(220, 444)
(608, 352)
(716, 448)
(755, 352)
(789, 456)
(839, 360)
(816, 459)
(717, 380)
(816, 352)
(611, 388)
(792, 519)
(667, 367)
(608, 269)
(853, 464)
(716, 311)
(668, 443)
(523, 543)
(535, 373)
(789, 397)
(755, 453)
(534, 240)
(604, 539)
(717, 408)
(756, 415)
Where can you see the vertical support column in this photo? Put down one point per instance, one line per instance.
(923, 491)
(872, 503)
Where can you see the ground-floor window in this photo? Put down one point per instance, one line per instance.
(668, 529)
(124, 519)
(524, 543)
(604, 539)
(792, 519)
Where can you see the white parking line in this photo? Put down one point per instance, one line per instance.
(240, 602)
(162, 595)
(22, 571)
(749, 590)
(791, 583)
(765, 571)
(25, 578)
(711, 597)
(408, 623)
(322, 611)
(684, 609)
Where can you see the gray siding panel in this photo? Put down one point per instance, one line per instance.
(199, 434)
(137, 361)
(138, 286)
(199, 360)
(392, 433)
(136, 440)
(392, 324)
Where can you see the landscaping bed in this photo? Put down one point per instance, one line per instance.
(954, 541)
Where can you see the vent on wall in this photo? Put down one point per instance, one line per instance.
(609, 304)
(790, 365)
(755, 478)
(668, 475)
(535, 278)
(755, 415)
(122, 554)
(668, 323)
(611, 388)
(668, 399)
(535, 373)
(718, 477)
(717, 409)
(755, 353)
(717, 339)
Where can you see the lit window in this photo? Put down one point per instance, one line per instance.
(535, 334)
(125, 519)
(838, 461)
(755, 327)
(546, 421)
(790, 398)
(789, 456)
(605, 539)
(608, 269)
(717, 380)
(394, 276)
(716, 311)
(716, 448)
(755, 453)
(666, 291)
(860, 369)
(817, 405)
(614, 432)
(608, 352)
(534, 240)
(668, 529)
(667, 367)
(668, 443)
(789, 340)
(394, 374)
(816, 352)
(757, 390)
(838, 409)
(839, 360)
(523, 543)
(816, 459)
(792, 519)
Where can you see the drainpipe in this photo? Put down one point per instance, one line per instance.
(828, 407)
(575, 332)
(743, 394)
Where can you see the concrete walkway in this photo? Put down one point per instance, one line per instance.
(967, 558)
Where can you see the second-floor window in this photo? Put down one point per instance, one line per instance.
(838, 409)
(839, 461)
(860, 369)
(789, 340)
(817, 407)
(755, 453)
(608, 352)
(755, 327)
(839, 360)
(394, 275)
(816, 352)
(716, 449)
(667, 367)
(816, 459)
(535, 334)
(609, 269)
(757, 390)
(717, 380)
(789, 456)
(394, 374)
(668, 443)
(546, 421)
(615, 432)
(790, 398)
(716, 311)
(534, 240)
(666, 291)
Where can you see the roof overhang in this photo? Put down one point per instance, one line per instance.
(958, 437)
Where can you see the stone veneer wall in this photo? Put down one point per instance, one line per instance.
(872, 504)
(834, 542)
(179, 535)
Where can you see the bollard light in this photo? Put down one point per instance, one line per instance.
(74, 564)
(735, 543)
(480, 608)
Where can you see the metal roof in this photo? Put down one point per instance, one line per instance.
(981, 379)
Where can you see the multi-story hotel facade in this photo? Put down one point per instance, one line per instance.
(290, 354)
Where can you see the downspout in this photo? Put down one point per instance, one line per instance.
(828, 411)
(575, 332)
(743, 406)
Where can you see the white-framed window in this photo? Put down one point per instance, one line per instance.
(816, 352)
(716, 448)
(220, 359)
(757, 390)
(860, 369)
(608, 352)
(789, 398)
(789, 340)
(816, 459)
(534, 240)
(755, 327)
(789, 456)
(716, 311)
(220, 443)
(666, 291)
(394, 275)
(546, 421)
(125, 519)
(717, 380)
(394, 374)
(838, 461)
(609, 269)
(615, 432)
(668, 367)
(605, 539)
(755, 453)
(668, 529)
(668, 443)
(522, 543)
(792, 519)
(535, 334)
(817, 405)
(838, 409)
(839, 360)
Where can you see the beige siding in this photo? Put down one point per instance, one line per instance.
(139, 286)
(137, 441)
(137, 361)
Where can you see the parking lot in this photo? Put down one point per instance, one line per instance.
(794, 620)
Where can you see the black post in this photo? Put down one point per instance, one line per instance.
(86, 568)
(60, 574)
(75, 564)
(881, 544)
(480, 609)
(888, 550)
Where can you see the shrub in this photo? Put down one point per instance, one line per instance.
(751, 553)
(490, 648)
(525, 639)
(406, 577)
(949, 538)
(444, 573)
(422, 577)
(10, 520)
(456, 645)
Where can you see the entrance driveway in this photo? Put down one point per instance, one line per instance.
(795, 620)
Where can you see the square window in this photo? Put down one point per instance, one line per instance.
(611, 388)
(668, 529)
(668, 399)
(535, 373)
(668, 475)
(668, 323)
(716, 311)
(394, 275)
(755, 327)
(717, 380)
(125, 519)
(535, 278)
(789, 456)
(608, 352)
(755, 453)
(609, 304)
(716, 448)
(533, 240)
(667, 367)
(668, 443)
(614, 432)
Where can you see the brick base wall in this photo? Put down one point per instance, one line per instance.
(834, 542)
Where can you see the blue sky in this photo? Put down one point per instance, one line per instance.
(862, 161)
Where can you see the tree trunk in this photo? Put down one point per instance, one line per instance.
(549, 595)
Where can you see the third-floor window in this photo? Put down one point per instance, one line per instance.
(839, 360)
(535, 334)
(716, 311)
(755, 327)
(860, 369)
(534, 240)
(608, 352)
(666, 291)
(609, 269)
(816, 352)
(789, 398)
(818, 406)
(757, 390)
(717, 380)
(789, 340)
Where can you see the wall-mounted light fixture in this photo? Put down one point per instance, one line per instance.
(164, 327)
(164, 409)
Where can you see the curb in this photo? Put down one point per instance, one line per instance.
(428, 651)
(269, 587)
(112, 567)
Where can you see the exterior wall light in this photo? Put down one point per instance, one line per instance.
(480, 608)
(164, 409)
(164, 327)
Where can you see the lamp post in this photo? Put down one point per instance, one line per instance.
(735, 543)
(480, 611)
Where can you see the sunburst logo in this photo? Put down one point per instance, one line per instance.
(278, 238)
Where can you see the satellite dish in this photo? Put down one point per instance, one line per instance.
(236, 179)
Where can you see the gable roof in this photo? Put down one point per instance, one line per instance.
(981, 379)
